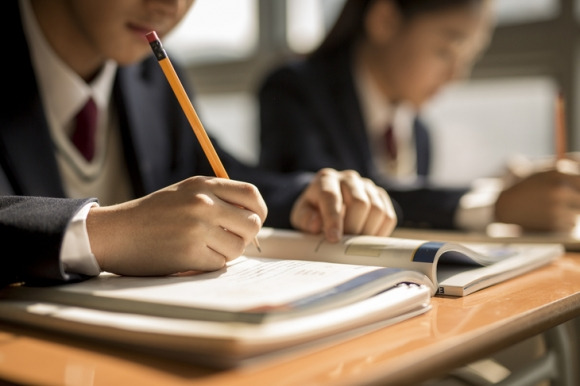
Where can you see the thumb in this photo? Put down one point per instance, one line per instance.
(306, 218)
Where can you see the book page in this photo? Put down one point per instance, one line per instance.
(458, 281)
(438, 260)
(496, 233)
(245, 284)
(363, 250)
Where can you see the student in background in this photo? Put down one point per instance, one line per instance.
(141, 201)
(354, 103)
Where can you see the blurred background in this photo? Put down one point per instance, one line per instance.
(506, 108)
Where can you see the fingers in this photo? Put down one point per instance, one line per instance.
(385, 214)
(320, 208)
(357, 203)
(234, 212)
(566, 202)
(222, 246)
(331, 204)
(343, 202)
(241, 194)
(572, 181)
(545, 201)
(369, 209)
(305, 216)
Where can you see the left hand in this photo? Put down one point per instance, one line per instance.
(342, 202)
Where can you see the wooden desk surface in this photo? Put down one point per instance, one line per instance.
(456, 331)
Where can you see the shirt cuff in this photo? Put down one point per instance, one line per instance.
(475, 211)
(76, 256)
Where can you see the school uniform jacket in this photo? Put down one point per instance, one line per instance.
(310, 118)
(159, 146)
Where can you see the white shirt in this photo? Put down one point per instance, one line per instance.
(63, 94)
(475, 209)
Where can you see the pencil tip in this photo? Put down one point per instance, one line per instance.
(257, 245)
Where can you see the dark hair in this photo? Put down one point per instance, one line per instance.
(349, 24)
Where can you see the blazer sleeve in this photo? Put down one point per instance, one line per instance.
(32, 230)
(424, 206)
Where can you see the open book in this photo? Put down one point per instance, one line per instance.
(455, 269)
(496, 233)
(254, 308)
(299, 292)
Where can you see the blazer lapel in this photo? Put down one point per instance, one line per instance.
(352, 122)
(26, 150)
(28, 155)
(144, 113)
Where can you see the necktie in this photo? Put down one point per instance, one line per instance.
(83, 136)
(391, 143)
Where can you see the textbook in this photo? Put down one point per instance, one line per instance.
(254, 308)
(497, 233)
(455, 269)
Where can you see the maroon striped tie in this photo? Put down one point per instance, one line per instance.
(84, 134)
(391, 143)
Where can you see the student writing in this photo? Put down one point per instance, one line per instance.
(142, 200)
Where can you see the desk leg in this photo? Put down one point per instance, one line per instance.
(557, 365)
(561, 341)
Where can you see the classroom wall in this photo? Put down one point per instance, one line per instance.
(481, 126)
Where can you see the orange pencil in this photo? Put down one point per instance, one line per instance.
(560, 134)
(188, 109)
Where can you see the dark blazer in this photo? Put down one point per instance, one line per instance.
(311, 118)
(159, 146)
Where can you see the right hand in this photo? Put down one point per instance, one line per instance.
(197, 224)
(543, 201)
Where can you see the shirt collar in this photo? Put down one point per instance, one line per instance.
(378, 112)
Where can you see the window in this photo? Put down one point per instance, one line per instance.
(229, 44)
(523, 11)
(308, 20)
(480, 126)
(215, 31)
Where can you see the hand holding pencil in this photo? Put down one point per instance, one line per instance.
(188, 109)
(545, 194)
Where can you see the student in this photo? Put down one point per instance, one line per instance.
(379, 64)
(159, 211)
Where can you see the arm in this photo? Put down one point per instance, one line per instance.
(197, 224)
(32, 230)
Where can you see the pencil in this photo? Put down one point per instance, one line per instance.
(187, 107)
(560, 138)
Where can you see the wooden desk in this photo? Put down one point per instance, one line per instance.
(455, 332)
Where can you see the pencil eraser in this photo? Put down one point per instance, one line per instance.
(151, 36)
